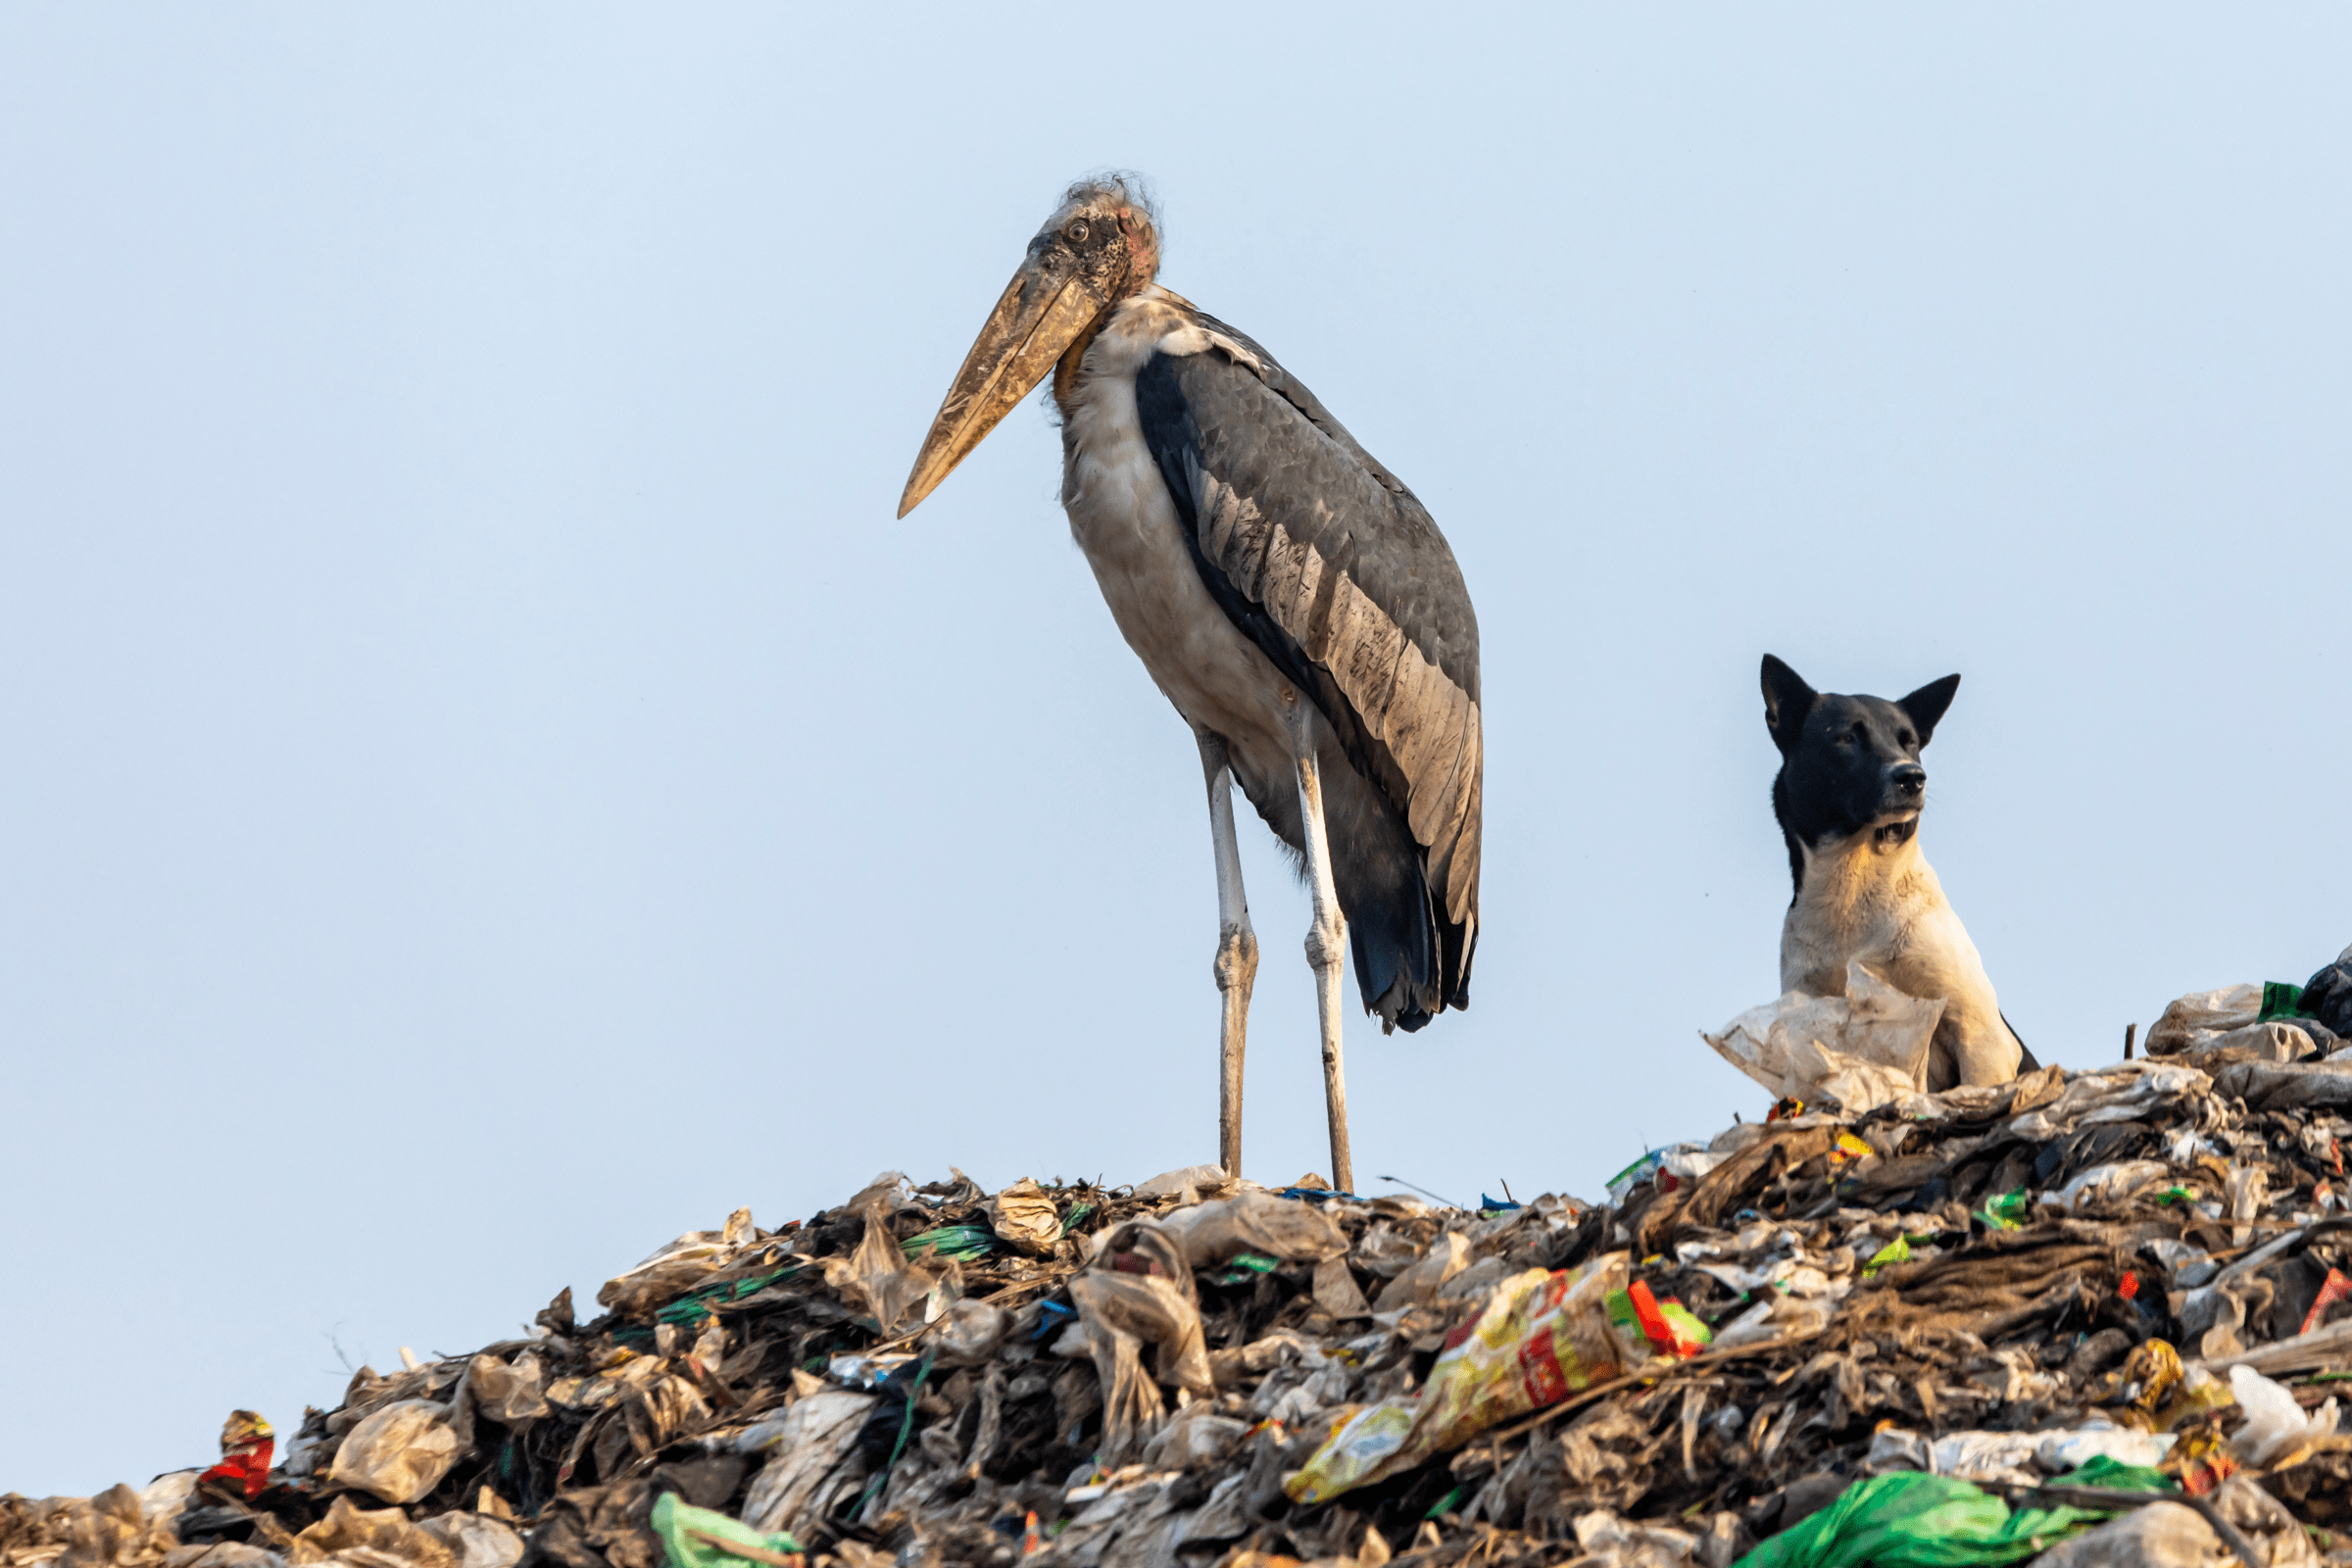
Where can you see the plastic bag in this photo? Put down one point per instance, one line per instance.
(817, 1434)
(115, 1527)
(685, 1531)
(1446, 1256)
(2122, 1091)
(387, 1530)
(2162, 1534)
(2059, 1451)
(1195, 1436)
(1140, 1291)
(2202, 1014)
(877, 1274)
(2107, 1184)
(1866, 1048)
(2288, 1084)
(1913, 1520)
(1255, 1223)
(474, 1539)
(1023, 1217)
(2276, 1427)
(674, 1269)
(2013, 1455)
(1669, 1327)
(511, 1395)
(1336, 1293)
(968, 1333)
(1543, 1337)
(399, 1452)
(1187, 1178)
(2276, 1040)
(2328, 995)
(222, 1555)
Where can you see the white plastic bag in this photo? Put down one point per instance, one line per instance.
(2275, 1425)
(1863, 1050)
(475, 1540)
(2202, 1014)
(1282, 1228)
(1195, 1179)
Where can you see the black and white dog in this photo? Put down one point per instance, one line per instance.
(1848, 798)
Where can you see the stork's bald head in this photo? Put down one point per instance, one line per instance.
(1100, 246)
(1107, 232)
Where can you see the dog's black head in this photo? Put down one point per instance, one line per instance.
(1848, 765)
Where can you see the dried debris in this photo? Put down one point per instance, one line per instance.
(2096, 1316)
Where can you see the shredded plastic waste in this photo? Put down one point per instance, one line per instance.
(2085, 1317)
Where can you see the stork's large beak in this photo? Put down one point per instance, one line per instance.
(1048, 304)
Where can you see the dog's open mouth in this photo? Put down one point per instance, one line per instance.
(1894, 833)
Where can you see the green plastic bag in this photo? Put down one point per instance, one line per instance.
(2282, 1001)
(956, 1243)
(678, 1522)
(1923, 1521)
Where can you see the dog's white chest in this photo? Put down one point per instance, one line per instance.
(1856, 903)
(1885, 907)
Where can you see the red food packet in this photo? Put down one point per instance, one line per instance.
(1664, 1333)
(246, 1444)
(2336, 1288)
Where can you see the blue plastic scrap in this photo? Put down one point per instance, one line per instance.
(1314, 1195)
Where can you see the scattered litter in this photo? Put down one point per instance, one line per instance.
(2097, 1316)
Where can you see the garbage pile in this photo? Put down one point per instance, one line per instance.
(2083, 1317)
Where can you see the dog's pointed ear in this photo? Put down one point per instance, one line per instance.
(1925, 707)
(1786, 702)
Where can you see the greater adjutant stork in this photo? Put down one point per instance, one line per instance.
(1285, 592)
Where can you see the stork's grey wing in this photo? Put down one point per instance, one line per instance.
(1335, 569)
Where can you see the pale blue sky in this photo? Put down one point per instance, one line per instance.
(487, 786)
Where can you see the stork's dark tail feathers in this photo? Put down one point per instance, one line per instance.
(1412, 962)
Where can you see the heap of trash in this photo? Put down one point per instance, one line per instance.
(2085, 1317)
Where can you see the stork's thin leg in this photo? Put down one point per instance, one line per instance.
(1236, 952)
(1326, 939)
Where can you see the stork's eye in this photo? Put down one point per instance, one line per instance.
(1077, 231)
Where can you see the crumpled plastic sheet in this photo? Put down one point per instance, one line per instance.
(1259, 1222)
(475, 1541)
(385, 1532)
(1022, 1216)
(399, 1452)
(812, 1438)
(673, 1269)
(1140, 1291)
(1860, 1050)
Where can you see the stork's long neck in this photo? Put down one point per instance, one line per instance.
(1065, 369)
(1144, 317)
